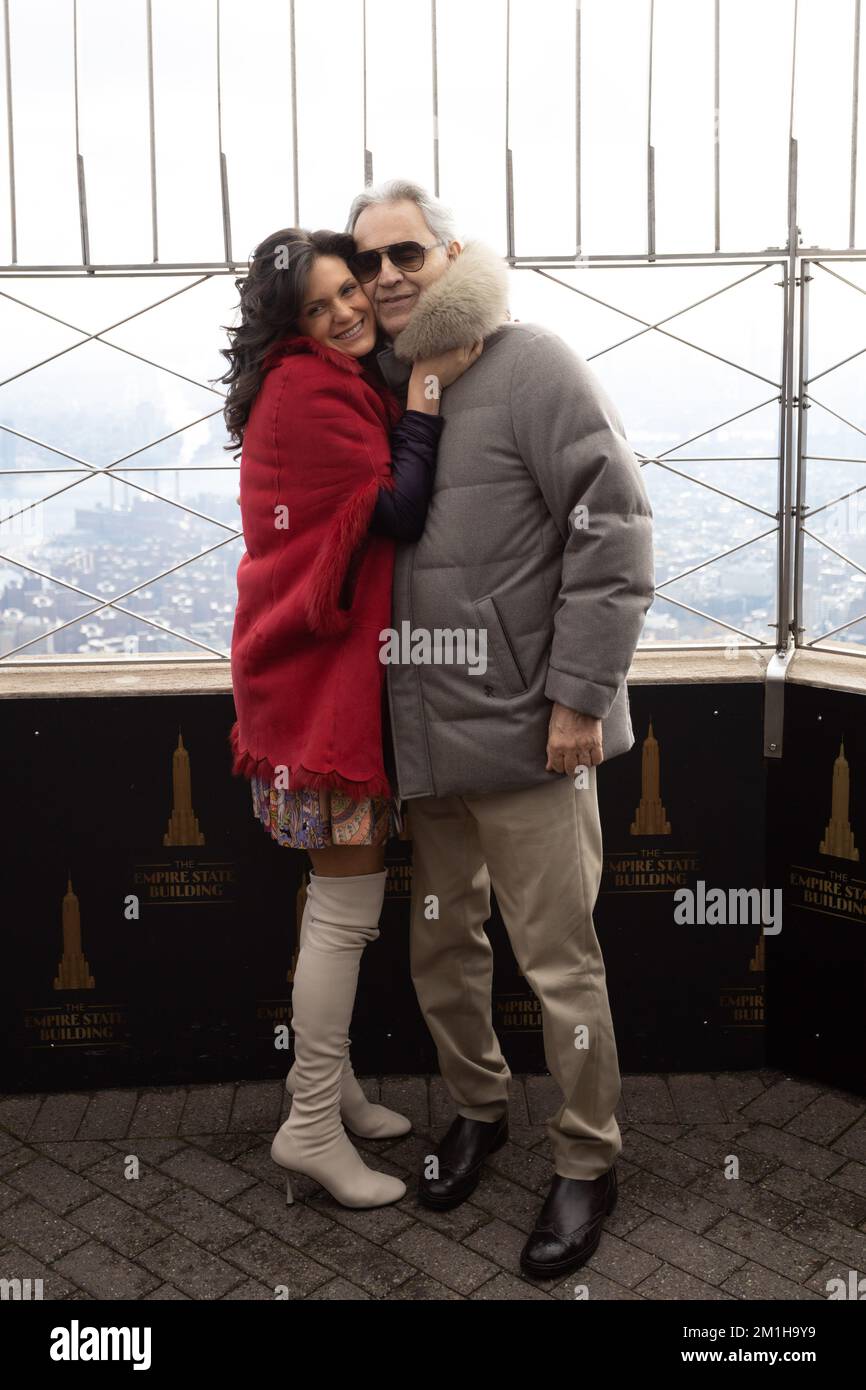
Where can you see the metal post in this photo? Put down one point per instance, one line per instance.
(717, 119)
(777, 667)
(798, 622)
(223, 167)
(435, 58)
(578, 234)
(650, 152)
(368, 156)
(786, 422)
(79, 159)
(294, 67)
(152, 139)
(13, 223)
(509, 163)
(855, 102)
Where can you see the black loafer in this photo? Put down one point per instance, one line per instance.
(461, 1154)
(569, 1224)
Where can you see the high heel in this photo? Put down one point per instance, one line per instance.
(341, 1171)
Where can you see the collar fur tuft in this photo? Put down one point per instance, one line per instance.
(468, 301)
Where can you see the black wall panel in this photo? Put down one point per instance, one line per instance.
(186, 947)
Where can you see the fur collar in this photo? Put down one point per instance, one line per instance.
(468, 301)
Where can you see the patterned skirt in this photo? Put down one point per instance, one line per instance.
(310, 819)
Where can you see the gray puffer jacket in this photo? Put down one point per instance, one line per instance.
(538, 540)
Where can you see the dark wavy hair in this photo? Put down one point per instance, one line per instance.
(271, 299)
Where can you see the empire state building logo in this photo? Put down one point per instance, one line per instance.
(73, 972)
(838, 838)
(650, 818)
(182, 823)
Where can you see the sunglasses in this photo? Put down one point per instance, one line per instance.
(405, 255)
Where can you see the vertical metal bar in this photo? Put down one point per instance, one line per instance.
(802, 406)
(151, 135)
(509, 164)
(82, 213)
(294, 67)
(781, 447)
(787, 413)
(578, 231)
(793, 85)
(368, 157)
(227, 221)
(650, 152)
(785, 554)
(79, 161)
(75, 74)
(780, 477)
(435, 57)
(855, 105)
(13, 220)
(717, 117)
(223, 166)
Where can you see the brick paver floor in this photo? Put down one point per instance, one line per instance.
(205, 1217)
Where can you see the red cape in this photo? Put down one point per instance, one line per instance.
(313, 595)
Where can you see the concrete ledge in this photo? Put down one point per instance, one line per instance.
(77, 680)
(690, 667)
(833, 670)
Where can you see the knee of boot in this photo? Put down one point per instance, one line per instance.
(336, 936)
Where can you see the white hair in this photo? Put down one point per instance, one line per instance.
(438, 217)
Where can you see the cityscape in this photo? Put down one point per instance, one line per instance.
(166, 550)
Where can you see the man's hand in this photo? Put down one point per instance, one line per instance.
(572, 740)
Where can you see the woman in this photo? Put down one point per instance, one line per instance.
(331, 476)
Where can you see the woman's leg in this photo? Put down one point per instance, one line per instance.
(345, 861)
(342, 917)
(363, 1117)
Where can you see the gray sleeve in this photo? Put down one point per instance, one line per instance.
(572, 441)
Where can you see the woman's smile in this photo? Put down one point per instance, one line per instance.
(351, 333)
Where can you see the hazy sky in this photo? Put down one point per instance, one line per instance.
(753, 120)
(665, 390)
(617, 117)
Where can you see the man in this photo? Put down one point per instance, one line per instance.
(538, 539)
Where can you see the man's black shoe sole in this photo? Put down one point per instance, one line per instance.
(446, 1203)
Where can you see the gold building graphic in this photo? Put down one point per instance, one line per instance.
(838, 838)
(182, 824)
(650, 817)
(758, 960)
(73, 972)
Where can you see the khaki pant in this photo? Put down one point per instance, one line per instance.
(541, 849)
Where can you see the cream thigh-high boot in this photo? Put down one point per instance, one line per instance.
(343, 917)
(361, 1116)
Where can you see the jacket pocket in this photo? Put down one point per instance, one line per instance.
(513, 679)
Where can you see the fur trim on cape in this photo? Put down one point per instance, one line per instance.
(300, 778)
